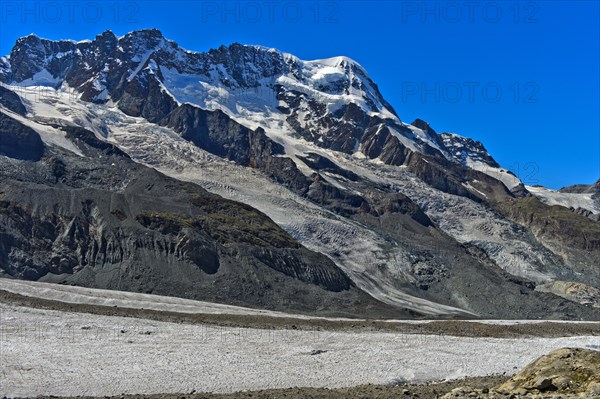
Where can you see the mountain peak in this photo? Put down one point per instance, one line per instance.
(148, 32)
(421, 124)
(149, 38)
(28, 40)
(340, 60)
(107, 34)
(467, 150)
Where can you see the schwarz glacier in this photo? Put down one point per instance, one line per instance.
(246, 176)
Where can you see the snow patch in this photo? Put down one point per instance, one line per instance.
(507, 178)
(568, 200)
(41, 78)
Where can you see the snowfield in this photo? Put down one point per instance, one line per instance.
(568, 200)
(48, 352)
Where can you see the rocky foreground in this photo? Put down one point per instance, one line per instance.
(564, 373)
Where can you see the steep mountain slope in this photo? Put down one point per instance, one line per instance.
(98, 219)
(417, 219)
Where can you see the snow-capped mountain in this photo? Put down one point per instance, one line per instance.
(332, 102)
(419, 220)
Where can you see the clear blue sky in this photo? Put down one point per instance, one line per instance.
(521, 76)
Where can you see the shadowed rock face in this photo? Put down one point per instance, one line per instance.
(131, 247)
(11, 101)
(19, 141)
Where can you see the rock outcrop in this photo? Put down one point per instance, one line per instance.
(568, 373)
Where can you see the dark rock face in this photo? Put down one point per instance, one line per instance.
(400, 204)
(19, 141)
(341, 131)
(28, 56)
(520, 191)
(289, 263)
(81, 136)
(163, 254)
(467, 148)
(421, 124)
(5, 70)
(424, 126)
(582, 188)
(455, 179)
(12, 101)
(582, 211)
(217, 133)
(323, 164)
(145, 97)
(555, 223)
(112, 223)
(380, 143)
(341, 202)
